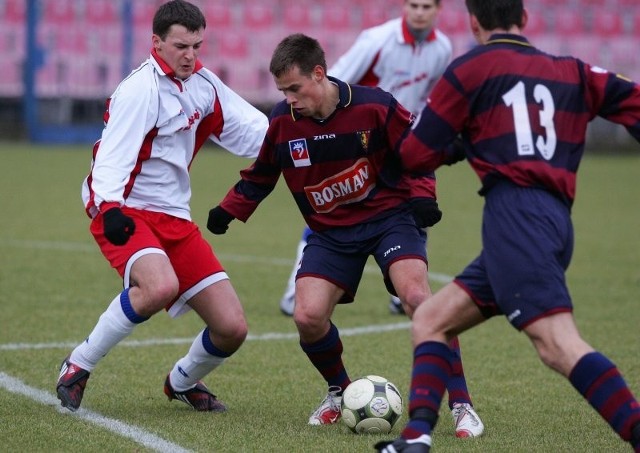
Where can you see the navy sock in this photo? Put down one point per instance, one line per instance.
(431, 370)
(457, 384)
(326, 356)
(128, 310)
(210, 347)
(600, 382)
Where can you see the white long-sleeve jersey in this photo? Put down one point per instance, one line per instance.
(389, 57)
(154, 126)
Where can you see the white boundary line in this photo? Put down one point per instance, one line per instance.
(127, 430)
(134, 433)
(86, 247)
(348, 332)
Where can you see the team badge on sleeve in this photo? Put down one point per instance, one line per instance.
(299, 152)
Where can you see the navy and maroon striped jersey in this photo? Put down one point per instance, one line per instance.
(341, 171)
(522, 113)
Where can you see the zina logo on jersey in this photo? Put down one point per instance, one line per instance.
(348, 186)
(299, 152)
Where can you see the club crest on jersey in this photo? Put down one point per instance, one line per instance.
(299, 152)
(364, 136)
(349, 186)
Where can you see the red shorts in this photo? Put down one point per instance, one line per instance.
(180, 240)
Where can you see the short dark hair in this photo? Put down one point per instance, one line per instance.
(494, 14)
(297, 50)
(177, 12)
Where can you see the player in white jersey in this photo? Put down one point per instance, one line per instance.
(137, 195)
(404, 56)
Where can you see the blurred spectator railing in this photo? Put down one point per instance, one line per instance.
(84, 49)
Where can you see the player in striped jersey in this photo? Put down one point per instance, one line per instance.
(404, 56)
(336, 147)
(523, 115)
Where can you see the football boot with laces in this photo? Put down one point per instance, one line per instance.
(467, 422)
(198, 397)
(329, 410)
(71, 384)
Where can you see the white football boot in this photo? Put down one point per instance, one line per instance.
(466, 420)
(329, 410)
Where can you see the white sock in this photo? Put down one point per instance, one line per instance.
(194, 366)
(112, 327)
(291, 284)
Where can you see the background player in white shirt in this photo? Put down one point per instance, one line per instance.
(138, 195)
(404, 56)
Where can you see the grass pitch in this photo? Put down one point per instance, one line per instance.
(54, 285)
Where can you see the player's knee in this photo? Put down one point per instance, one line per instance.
(414, 296)
(309, 325)
(165, 291)
(231, 336)
(235, 334)
(304, 322)
(240, 331)
(424, 324)
(156, 296)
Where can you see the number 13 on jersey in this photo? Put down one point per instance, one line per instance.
(516, 98)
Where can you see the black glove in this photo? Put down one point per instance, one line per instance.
(456, 151)
(425, 211)
(219, 220)
(117, 226)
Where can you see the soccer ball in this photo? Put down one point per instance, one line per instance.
(371, 405)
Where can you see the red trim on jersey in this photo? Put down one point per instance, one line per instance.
(91, 203)
(408, 36)
(143, 155)
(169, 72)
(163, 64)
(218, 117)
(106, 115)
(213, 123)
(370, 78)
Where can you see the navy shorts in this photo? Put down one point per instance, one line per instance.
(527, 238)
(339, 255)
